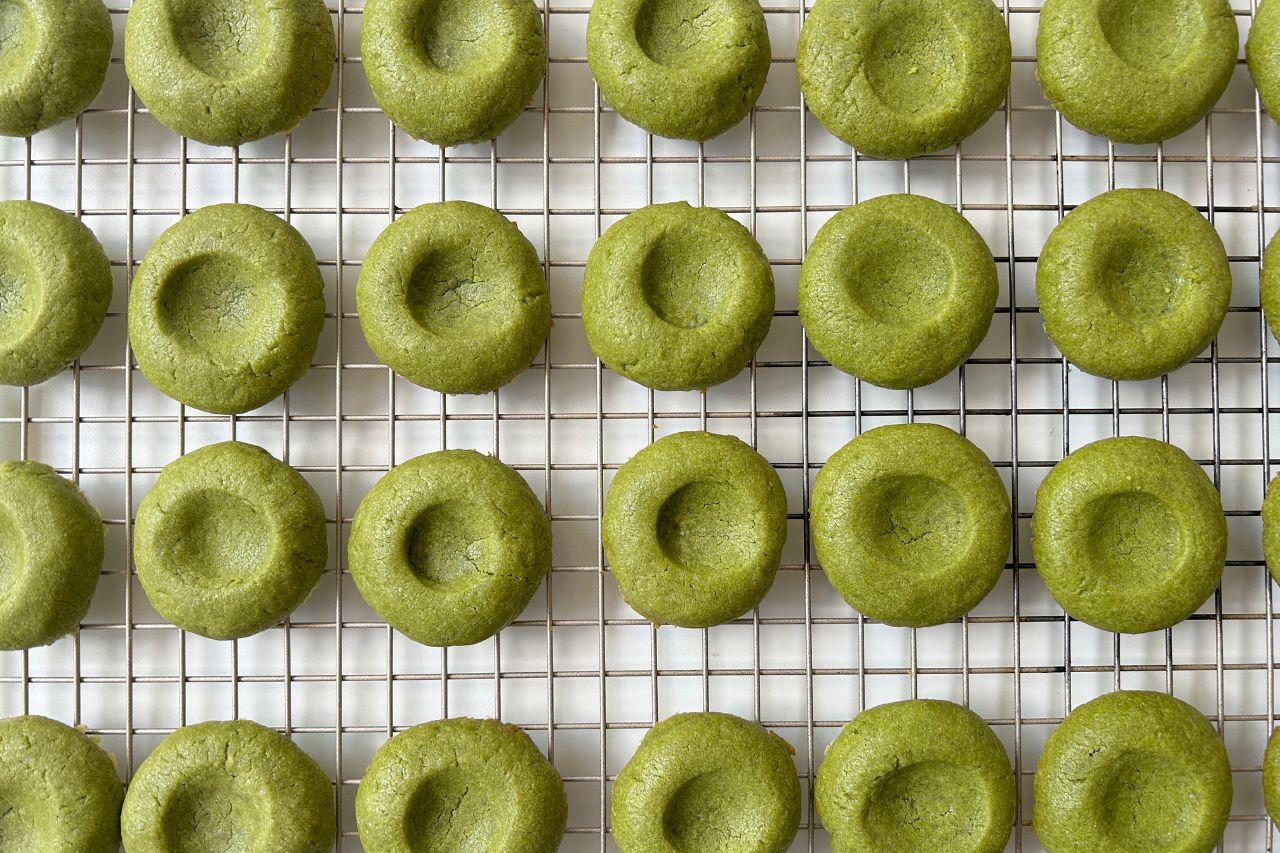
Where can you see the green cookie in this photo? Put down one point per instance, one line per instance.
(1271, 528)
(897, 290)
(221, 786)
(225, 72)
(452, 297)
(1133, 284)
(1135, 71)
(686, 69)
(1132, 770)
(911, 523)
(54, 56)
(898, 79)
(1271, 776)
(461, 784)
(1262, 52)
(1129, 535)
(229, 541)
(51, 548)
(226, 309)
(55, 285)
(923, 774)
(58, 789)
(693, 528)
(1269, 283)
(704, 782)
(449, 547)
(453, 72)
(677, 298)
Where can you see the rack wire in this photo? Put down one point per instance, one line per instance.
(579, 670)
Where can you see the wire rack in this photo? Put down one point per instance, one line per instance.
(579, 670)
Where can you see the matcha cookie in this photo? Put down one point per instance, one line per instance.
(461, 784)
(1135, 71)
(1262, 52)
(58, 789)
(707, 782)
(693, 528)
(53, 58)
(51, 548)
(1132, 770)
(1133, 284)
(897, 290)
(911, 523)
(687, 69)
(225, 72)
(221, 786)
(226, 309)
(452, 297)
(923, 774)
(452, 72)
(1269, 283)
(1128, 535)
(229, 541)
(677, 298)
(895, 80)
(55, 285)
(1271, 777)
(449, 547)
(1271, 528)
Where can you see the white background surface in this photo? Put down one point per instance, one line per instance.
(579, 669)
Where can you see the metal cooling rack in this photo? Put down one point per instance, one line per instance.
(579, 670)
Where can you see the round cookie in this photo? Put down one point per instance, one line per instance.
(707, 781)
(1269, 283)
(677, 298)
(1262, 52)
(679, 68)
(455, 71)
(461, 784)
(1135, 71)
(911, 524)
(55, 285)
(229, 541)
(226, 309)
(449, 547)
(1132, 770)
(225, 72)
(452, 297)
(58, 789)
(54, 56)
(1271, 528)
(897, 290)
(221, 786)
(1271, 777)
(1128, 535)
(51, 548)
(923, 774)
(693, 528)
(1133, 284)
(895, 80)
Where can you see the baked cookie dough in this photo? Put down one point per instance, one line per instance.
(452, 297)
(895, 80)
(220, 786)
(923, 774)
(461, 784)
(226, 309)
(911, 524)
(687, 69)
(707, 781)
(897, 290)
(225, 72)
(1271, 777)
(59, 791)
(1132, 770)
(1271, 528)
(449, 547)
(51, 548)
(1262, 52)
(452, 72)
(677, 298)
(1128, 535)
(229, 541)
(1269, 283)
(54, 56)
(1135, 71)
(55, 285)
(1133, 284)
(693, 528)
